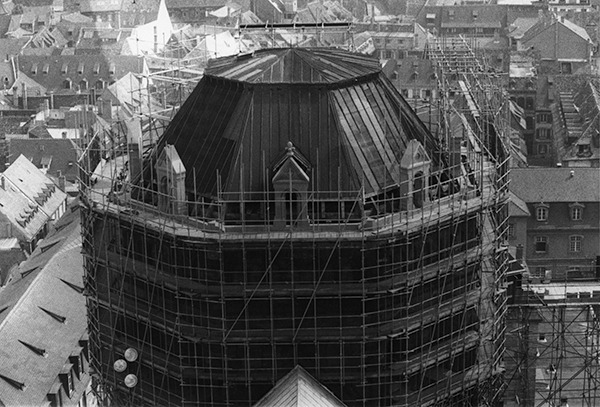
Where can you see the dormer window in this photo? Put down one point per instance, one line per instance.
(64, 69)
(576, 210)
(80, 68)
(541, 212)
(111, 68)
(96, 68)
(34, 69)
(290, 183)
(46, 69)
(475, 14)
(583, 150)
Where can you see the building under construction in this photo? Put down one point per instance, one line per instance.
(296, 211)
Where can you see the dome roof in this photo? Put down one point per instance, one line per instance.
(341, 113)
(294, 66)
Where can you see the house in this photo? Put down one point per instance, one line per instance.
(57, 158)
(577, 124)
(561, 46)
(76, 74)
(29, 203)
(192, 11)
(561, 240)
(416, 78)
(43, 324)
(479, 20)
(107, 10)
(151, 36)
(10, 255)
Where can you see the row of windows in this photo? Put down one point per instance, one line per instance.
(575, 241)
(542, 212)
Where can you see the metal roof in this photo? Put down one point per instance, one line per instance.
(294, 65)
(336, 107)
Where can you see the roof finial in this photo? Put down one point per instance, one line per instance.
(290, 148)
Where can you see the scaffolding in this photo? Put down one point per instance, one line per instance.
(394, 299)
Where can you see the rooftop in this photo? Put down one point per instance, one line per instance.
(555, 184)
(336, 107)
(299, 389)
(47, 281)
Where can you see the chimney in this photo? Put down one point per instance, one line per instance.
(519, 252)
(61, 181)
(107, 109)
(15, 97)
(135, 167)
(24, 87)
(99, 105)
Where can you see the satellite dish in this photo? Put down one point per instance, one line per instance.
(120, 365)
(131, 355)
(130, 380)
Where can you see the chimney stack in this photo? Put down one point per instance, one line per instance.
(519, 252)
(24, 87)
(61, 181)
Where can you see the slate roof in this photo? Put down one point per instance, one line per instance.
(62, 152)
(545, 24)
(29, 198)
(337, 107)
(556, 184)
(299, 389)
(99, 6)
(76, 68)
(40, 282)
(516, 206)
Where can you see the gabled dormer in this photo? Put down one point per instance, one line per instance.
(290, 184)
(414, 175)
(170, 174)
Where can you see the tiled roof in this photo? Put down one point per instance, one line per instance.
(63, 152)
(37, 285)
(555, 184)
(99, 6)
(520, 26)
(28, 198)
(52, 72)
(299, 389)
(516, 206)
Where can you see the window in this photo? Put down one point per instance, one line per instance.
(541, 213)
(541, 244)
(539, 272)
(565, 68)
(542, 149)
(575, 244)
(543, 134)
(576, 211)
(511, 231)
(542, 338)
(544, 118)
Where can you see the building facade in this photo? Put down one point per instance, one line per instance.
(562, 237)
(297, 212)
